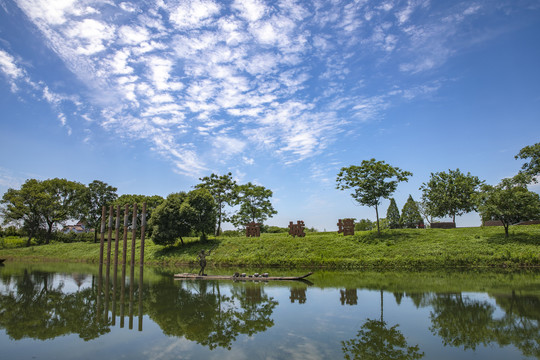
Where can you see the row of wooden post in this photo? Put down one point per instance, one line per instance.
(117, 234)
(123, 262)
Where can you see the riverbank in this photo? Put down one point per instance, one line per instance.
(394, 249)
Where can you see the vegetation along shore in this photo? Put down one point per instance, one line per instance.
(393, 249)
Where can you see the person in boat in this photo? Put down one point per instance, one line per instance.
(202, 260)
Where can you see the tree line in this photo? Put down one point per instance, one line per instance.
(451, 193)
(39, 206)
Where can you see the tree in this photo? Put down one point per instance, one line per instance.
(371, 181)
(363, 225)
(255, 205)
(222, 189)
(152, 202)
(450, 193)
(531, 168)
(510, 202)
(410, 216)
(25, 205)
(392, 214)
(199, 208)
(62, 202)
(98, 194)
(168, 222)
(425, 211)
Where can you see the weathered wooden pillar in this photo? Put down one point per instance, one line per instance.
(126, 220)
(116, 236)
(143, 231)
(133, 234)
(109, 236)
(102, 237)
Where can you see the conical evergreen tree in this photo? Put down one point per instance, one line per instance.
(410, 216)
(392, 215)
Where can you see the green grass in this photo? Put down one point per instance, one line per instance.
(403, 248)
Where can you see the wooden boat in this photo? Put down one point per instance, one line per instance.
(239, 278)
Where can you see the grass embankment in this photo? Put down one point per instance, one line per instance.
(403, 248)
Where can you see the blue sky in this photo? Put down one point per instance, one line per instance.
(149, 96)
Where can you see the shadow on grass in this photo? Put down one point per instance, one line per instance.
(513, 238)
(189, 248)
(386, 236)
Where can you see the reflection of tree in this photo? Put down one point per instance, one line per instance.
(461, 321)
(199, 312)
(38, 310)
(298, 294)
(376, 341)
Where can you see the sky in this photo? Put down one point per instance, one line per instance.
(150, 96)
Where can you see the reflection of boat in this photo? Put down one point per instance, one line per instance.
(239, 278)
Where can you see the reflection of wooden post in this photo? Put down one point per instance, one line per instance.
(133, 233)
(131, 281)
(115, 281)
(107, 282)
(102, 238)
(143, 230)
(122, 292)
(141, 268)
(126, 218)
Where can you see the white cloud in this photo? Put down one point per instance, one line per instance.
(90, 36)
(192, 14)
(251, 10)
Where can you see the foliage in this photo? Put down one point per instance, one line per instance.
(222, 189)
(510, 202)
(531, 168)
(200, 210)
(371, 181)
(97, 195)
(392, 215)
(425, 211)
(363, 225)
(168, 223)
(450, 193)
(255, 205)
(152, 202)
(410, 216)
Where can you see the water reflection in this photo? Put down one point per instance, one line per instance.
(342, 320)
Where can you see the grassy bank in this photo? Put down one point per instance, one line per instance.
(403, 248)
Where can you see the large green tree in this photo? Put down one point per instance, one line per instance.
(255, 205)
(25, 206)
(98, 194)
(371, 182)
(168, 223)
(510, 202)
(200, 209)
(532, 167)
(44, 203)
(410, 216)
(222, 189)
(63, 202)
(392, 215)
(450, 193)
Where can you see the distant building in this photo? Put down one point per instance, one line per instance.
(77, 228)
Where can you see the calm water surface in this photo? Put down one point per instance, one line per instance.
(59, 311)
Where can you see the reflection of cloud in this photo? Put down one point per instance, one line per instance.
(172, 350)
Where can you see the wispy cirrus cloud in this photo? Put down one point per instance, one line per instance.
(286, 77)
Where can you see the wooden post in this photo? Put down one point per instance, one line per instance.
(116, 236)
(143, 231)
(109, 237)
(141, 269)
(122, 294)
(124, 248)
(102, 238)
(133, 233)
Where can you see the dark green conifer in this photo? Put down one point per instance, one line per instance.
(410, 215)
(392, 215)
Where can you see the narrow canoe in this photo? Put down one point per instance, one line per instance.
(235, 278)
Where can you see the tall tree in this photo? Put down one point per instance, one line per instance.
(62, 202)
(255, 205)
(168, 223)
(222, 189)
(25, 205)
(98, 194)
(510, 202)
(200, 206)
(392, 215)
(152, 202)
(531, 168)
(450, 193)
(410, 216)
(371, 182)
